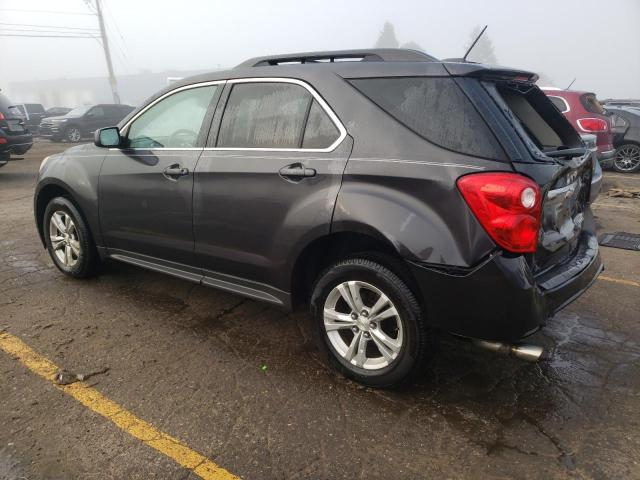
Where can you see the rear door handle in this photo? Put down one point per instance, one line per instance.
(172, 172)
(297, 171)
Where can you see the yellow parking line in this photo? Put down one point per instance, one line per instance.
(619, 280)
(125, 420)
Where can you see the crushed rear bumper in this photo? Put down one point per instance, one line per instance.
(501, 299)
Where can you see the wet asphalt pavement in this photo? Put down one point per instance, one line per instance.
(240, 381)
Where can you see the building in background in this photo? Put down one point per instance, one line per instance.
(72, 92)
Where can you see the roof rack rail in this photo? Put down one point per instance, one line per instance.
(370, 55)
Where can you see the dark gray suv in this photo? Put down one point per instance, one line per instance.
(395, 194)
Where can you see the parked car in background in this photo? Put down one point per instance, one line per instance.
(390, 193)
(33, 114)
(627, 140)
(56, 111)
(14, 136)
(586, 115)
(81, 122)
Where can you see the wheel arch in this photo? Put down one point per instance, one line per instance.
(361, 241)
(42, 198)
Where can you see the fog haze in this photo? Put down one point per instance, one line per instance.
(596, 42)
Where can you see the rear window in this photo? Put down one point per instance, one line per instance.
(591, 104)
(537, 119)
(436, 109)
(34, 108)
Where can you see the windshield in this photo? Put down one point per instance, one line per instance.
(79, 111)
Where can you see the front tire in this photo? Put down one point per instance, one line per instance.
(369, 323)
(73, 134)
(627, 158)
(68, 239)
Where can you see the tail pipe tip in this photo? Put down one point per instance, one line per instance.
(530, 353)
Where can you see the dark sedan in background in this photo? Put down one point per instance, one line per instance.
(82, 121)
(627, 138)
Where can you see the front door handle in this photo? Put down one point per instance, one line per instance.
(174, 171)
(297, 171)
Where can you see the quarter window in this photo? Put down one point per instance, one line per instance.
(560, 104)
(174, 122)
(436, 109)
(320, 131)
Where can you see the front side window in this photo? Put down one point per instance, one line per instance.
(264, 115)
(174, 122)
(96, 112)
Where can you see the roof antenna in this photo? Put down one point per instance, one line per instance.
(464, 59)
(572, 82)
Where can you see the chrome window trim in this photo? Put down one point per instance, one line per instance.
(327, 109)
(125, 127)
(566, 104)
(324, 105)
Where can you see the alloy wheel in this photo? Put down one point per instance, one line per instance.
(363, 325)
(64, 238)
(628, 158)
(74, 135)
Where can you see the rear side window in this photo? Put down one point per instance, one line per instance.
(436, 109)
(591, 103)
(264, 115)
(559, 103)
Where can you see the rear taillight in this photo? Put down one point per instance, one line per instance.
(507, 205)
(3, 141)
(593, 125)
(1, 116)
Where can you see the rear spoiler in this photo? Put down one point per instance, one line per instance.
(487, 72)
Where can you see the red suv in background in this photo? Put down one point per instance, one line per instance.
(586, 115)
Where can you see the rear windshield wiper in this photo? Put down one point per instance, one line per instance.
(566, 152)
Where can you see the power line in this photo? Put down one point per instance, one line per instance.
(44, 11)
(46, 36)
(48, 26)
(29, 30)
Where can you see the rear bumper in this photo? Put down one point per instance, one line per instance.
(500, 299)
(50, 131)
(605, 157)
(16, 144)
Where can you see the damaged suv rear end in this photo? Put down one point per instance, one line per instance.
(498, 233)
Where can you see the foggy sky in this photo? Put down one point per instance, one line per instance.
(595, 41)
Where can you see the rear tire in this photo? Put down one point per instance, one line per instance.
(627, 158)
(369, 324)
(68, 239)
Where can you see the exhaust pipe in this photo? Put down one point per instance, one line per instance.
(530, 353)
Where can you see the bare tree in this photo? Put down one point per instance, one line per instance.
(387, 38)
(483, 51)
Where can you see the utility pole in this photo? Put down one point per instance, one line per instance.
(107, 54)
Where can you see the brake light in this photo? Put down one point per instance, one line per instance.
(507, 205)
(1, 116)
(3, 141)
(593, 125)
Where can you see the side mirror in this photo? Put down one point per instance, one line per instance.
(107, 137)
